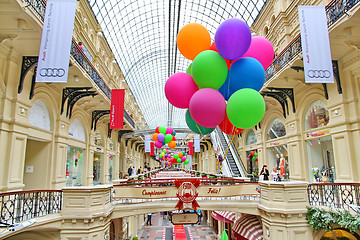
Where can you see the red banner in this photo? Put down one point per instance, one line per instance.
(117, 108)
(191, 144)
(152, 148)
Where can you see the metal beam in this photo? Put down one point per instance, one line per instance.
(96, 115)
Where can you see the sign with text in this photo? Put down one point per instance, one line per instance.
(54, 54)
(117, 109)
(315, 44)
(184, 218)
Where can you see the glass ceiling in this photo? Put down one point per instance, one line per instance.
(142, 35)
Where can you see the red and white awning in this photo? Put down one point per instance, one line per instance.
(247, 227)
(224, 216)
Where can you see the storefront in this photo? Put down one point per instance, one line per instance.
(277, 151)
(319, 147)
(75, 166)
(251, 154)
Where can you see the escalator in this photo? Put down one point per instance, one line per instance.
(232, 158)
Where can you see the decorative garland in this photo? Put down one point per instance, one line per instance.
(320, 219)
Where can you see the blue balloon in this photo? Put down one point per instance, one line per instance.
(246, 72)
(225, 90)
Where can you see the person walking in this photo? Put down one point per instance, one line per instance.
(129, 171)
(199, 213)
(148, 221)
(264, 174)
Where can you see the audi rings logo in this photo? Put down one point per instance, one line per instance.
(319, 73)
(52, 72)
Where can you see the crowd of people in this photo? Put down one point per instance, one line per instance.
(274, 175)
(132, 171)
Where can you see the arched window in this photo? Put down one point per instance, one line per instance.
(98, 139)
(276, 129)
(39, 115)
(251, 138)
(316, 116)
(76, 130)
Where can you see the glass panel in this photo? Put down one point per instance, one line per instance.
(316, 116)
(111, 167)
(321, 160)
(276, 129)
(75, 166)
(98, 164)
(142, 35)
(251, 138)
(278, 162)
(98, 139)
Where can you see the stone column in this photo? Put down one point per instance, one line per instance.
(283, 210)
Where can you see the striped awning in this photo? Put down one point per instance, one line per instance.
(224, 216)
(247, 227)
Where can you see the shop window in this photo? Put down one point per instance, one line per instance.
(321, 160)
(111, 144)
(98, 139)
(277, 129)
(316, 116)
(39, 115)
(111, 167)
(278, 161)
(76, 130)
(98, 164)
(251, 137)
(75, 166)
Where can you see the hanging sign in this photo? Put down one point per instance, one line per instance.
(54, 55)
(117, 109)
(187, 193)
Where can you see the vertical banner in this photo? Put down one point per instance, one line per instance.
(54, 55)
(147, 143)
(196, 143)
(190, 148)
(152, 149)
(117, 108)
(315, 45)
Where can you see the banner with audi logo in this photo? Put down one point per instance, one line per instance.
(315, 45)
(54, 55)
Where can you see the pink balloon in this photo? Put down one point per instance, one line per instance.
(169, 130)
(262, 50)
(183, 158)
(179, 88)
(158, 144)
(207, 107)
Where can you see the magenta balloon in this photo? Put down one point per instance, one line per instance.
(232, 38)
(207, 107)
(179, 89)
(262, 50)
(183, 158)
(158, 144)
(160, 137)
(169, 130)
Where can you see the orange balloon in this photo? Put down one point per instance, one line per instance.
(180, 154)
(172, 144)
(155, 136)
(193, 38)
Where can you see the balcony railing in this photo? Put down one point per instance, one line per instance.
(38, 7)
(334, 11)
(23, 205)
(336, 195)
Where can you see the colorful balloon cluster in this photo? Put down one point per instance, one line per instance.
(221, 86)
(168, 158)
(253, 156)
(164, 135)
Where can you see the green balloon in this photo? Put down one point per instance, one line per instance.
(209, 70)
(162, 130)
(188, 71)
(178, 160)
(168, 138)
(254, 158)
(176, 156)
(174, 133)
(192, 125)
(186, 162)
(245, 108)
(256, 154)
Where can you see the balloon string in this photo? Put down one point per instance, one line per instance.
(205, 139)
(229, 146)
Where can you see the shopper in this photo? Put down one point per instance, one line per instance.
(264, 174)
(274, 174)
(129, 171)
(148, 221)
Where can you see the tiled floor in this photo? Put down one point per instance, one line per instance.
(162, 229)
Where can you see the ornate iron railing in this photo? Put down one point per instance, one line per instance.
(337, 195)
(334, 11)
(23, 205)
(38, 7)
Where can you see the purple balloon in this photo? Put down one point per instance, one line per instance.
(232, 38)
(160, 137)
(158, 144)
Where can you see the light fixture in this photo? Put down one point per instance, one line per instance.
(347, 32)
(99, 34)
(21, 24)
(336, 112)
(113, 61)
(123, 80)
(76, 78)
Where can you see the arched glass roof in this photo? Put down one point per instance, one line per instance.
(142, 35)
